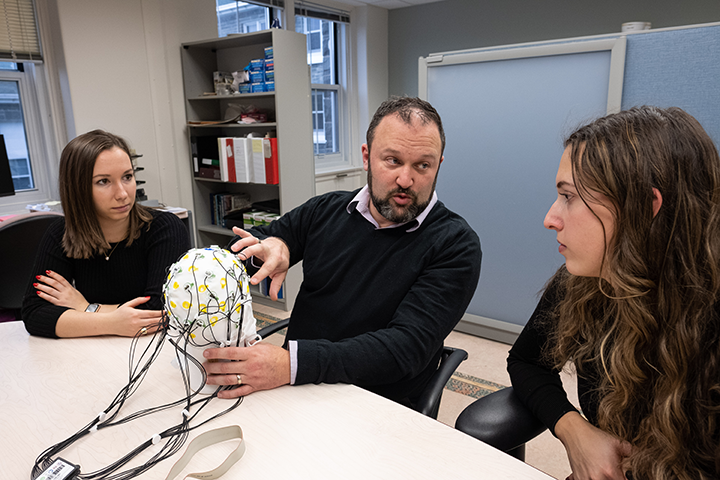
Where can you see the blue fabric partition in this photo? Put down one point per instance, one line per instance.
(500, 162)
(678, 68)
(505, 121)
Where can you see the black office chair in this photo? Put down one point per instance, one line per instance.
(19, 240)
(502, 421)
(429, 401)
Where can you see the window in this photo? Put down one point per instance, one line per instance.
(321, 58)
(241, 17)
(22, 126)
(12, 127)
(326, 57)
(327, 53)
(31, 132)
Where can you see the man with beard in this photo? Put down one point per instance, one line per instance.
(388, 272)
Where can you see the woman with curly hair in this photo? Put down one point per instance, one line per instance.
(100, 269)
(636, 307)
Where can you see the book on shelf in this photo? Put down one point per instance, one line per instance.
(225, 203)
(258, 160)
(226, 150)
(243, 159)
(236, 159)
(272, 170)
(222, 153)
(232, 170)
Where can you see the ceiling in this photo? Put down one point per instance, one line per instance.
(389, 4)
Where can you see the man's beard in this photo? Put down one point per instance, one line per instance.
(400, 214)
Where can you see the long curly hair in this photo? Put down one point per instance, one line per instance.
(651, 324)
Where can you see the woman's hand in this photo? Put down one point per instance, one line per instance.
(127, 321)
(53, 288)
(593, 453)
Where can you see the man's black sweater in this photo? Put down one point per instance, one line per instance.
(375, 305)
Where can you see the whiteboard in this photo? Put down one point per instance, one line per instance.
(505, 113)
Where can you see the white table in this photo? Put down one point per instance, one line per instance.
(52, 388)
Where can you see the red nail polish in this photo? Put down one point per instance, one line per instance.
(47, 272)
(38, 293)
(37, 277)
(35, 285)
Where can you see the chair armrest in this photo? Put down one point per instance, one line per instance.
(501, 420)
(275, 327)
(429, 400)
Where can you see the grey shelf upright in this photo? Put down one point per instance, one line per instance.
(290, 116)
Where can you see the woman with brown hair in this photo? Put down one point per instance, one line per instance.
(635, 309)
(100, 268)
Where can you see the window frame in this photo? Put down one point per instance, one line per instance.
(343, 160)
(29, 87)
(339, 157)
(270, 15)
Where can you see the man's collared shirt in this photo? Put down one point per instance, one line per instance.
(361, 203)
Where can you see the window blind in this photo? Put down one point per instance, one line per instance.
(19, 39)
(309, 9)
(280, 4)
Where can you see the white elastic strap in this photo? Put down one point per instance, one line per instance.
(207, 439)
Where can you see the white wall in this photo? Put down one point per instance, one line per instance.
(123, 74)
(370, 28)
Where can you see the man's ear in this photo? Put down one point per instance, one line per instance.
(657, 201)
(365, 155)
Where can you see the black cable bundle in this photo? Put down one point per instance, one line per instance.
(176, 436)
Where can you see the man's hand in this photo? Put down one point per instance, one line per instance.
(274, 254)
(593, 453)
(261, 367)
(53, 288)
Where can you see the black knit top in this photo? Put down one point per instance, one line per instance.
(135, 271)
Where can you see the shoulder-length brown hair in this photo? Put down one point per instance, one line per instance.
(83, 236)
(651, 324)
